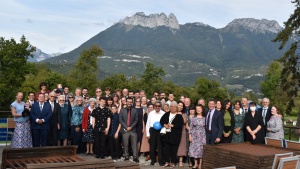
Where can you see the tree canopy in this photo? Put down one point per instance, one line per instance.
(290, 75)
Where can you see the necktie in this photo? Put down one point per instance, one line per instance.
(128, 117)
(208, 120)
(41, 107)
(264, 115)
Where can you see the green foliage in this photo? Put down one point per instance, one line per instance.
(209, 89)
(270, 87)
(41, 73)
(116, 81)
(13, 67)
(84, 72)
(290, 60)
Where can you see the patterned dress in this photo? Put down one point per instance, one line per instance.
(145, 147)
(22, 133)
(197, 130)
(88, 136)
(275, 125)
(182, 146)
(239, 122)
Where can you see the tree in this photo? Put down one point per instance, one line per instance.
(84, 72)
(209, 89)
(290, 60)
(151, 77)
(270, 86)
(13, 68)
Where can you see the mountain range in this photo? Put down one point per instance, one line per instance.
(237, 55)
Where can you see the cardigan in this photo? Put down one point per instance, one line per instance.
(173, 137)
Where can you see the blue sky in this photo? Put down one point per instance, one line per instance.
(62, 25)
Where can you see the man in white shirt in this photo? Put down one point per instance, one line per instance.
(154, 135)
(171, 99)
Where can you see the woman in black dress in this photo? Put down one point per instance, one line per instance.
(253, 123)
(173, 122)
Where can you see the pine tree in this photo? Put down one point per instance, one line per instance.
(290, 60)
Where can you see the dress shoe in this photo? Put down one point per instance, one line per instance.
(152, 163)
(126, 159)
(97, 156)
(136, 160)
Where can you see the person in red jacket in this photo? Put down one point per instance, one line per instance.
(43, 87)
(87, 127)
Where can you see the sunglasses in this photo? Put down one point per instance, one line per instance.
(157, 105)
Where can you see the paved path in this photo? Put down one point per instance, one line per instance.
(143, 164)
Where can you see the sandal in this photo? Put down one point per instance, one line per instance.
(166, 165)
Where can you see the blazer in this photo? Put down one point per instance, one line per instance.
(173, 137)
(123, 119)
(56, 118)
(217, 124)
(232, 122)
(36, 113)
(268, 115)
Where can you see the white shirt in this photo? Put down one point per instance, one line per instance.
(152, 118)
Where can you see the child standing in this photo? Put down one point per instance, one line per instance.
(114, 143)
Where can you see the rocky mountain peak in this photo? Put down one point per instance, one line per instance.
(152, 20)
(256, 25)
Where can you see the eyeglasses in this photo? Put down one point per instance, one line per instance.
(157, 105)
(52, 96)
(87, 98)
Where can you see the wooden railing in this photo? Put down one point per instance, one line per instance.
(290, 130)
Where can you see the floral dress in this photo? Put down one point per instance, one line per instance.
(275, 125)
(88, 136)
(238, 122)
(197, 130)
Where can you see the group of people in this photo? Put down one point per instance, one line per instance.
(128, 119)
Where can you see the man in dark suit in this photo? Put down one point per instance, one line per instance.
(128, 119)
(266, 114)
(214, 124)
(40, 115)
(54, 120)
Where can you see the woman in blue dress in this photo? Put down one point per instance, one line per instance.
(22, 133)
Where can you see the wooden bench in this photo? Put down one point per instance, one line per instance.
(126, 165)
(95, 163)
(17, 158)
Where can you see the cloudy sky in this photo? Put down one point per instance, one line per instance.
(62, 25)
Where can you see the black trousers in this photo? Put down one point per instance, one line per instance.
(99, 142)
(171, 152)
(52, 139)
(114, 146)
(229, 138)
(155, 144)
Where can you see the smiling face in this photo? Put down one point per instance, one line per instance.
(274, 111)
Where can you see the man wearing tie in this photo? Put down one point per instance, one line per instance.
(128, 119)
(214, 124)
(40, 115)
(55, 120)
(266, 114)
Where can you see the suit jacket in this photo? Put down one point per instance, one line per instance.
(36, 113)
(217, 124)
(268, 115)
(56, 118)
(123, 119)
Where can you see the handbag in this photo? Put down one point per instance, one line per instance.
(163, 130)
